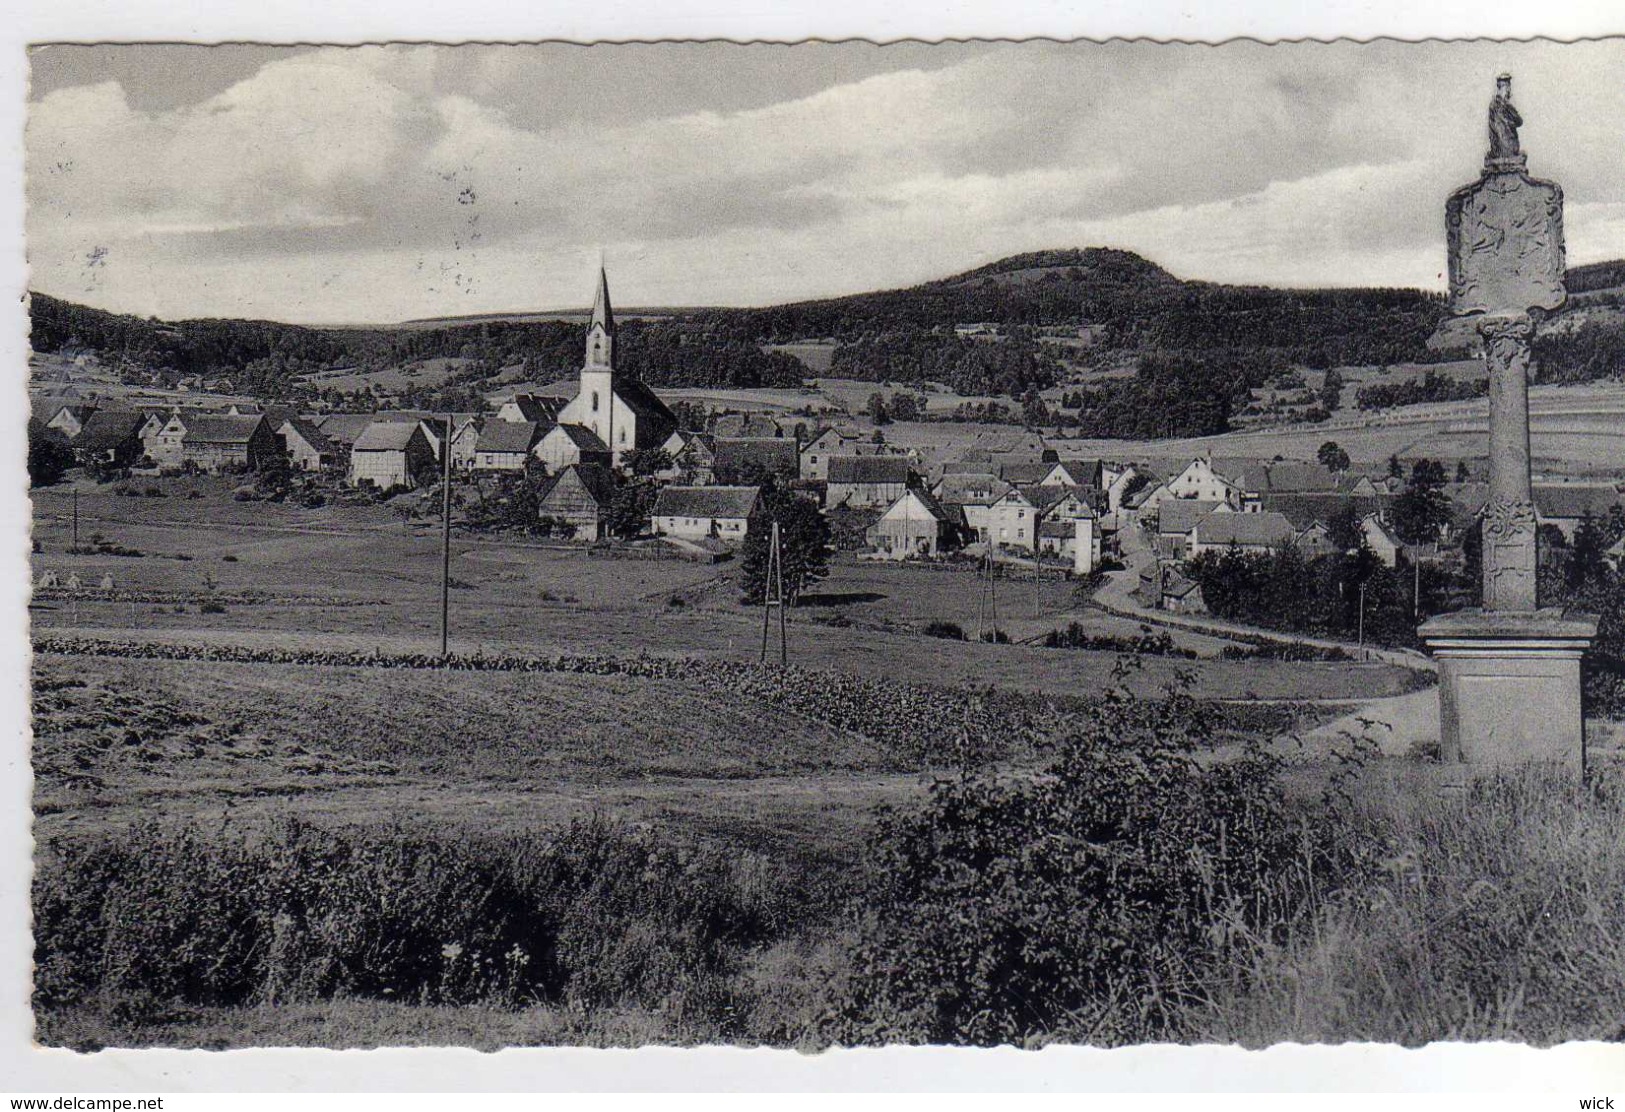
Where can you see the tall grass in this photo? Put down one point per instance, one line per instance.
(1499, 913)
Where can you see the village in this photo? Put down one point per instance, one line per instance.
(1001, 499)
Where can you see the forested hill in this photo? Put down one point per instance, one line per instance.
(1199, 344)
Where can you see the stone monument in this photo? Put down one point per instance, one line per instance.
(1509, 674)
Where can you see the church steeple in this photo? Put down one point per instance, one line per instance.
(601, 332)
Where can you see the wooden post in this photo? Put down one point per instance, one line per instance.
(445, 539)
(773, 595)
(75, 519)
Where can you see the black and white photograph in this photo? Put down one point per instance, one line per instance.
(826, 544)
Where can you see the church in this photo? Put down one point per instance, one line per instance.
(622, 412)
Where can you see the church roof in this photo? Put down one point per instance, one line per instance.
(601, 311)
(655, 421)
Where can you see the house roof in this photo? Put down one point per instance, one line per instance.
(1180, 515)
(1570, 501)
(706, 501)
(1081, 472)
(1024, 472)
(931, 506)
(579, 435)
(593, 478)
(309, 433)
(534, 407)
(1047, 498)
(343, 428)
(106, 429)
(972, 489)
(1304, 508)
(869, 469)
(215, 429)
(386, 436)
(1265, 528)
(776, 455)
(1292, 477)
(1374, 524)
(508, 436)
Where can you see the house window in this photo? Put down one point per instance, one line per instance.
(595, 401)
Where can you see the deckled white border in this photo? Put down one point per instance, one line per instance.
(1497, 1069)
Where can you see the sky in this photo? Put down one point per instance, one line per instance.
(378, 184)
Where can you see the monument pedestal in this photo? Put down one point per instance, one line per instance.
(1509, 685)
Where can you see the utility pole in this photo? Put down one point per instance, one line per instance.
(1362, 620)
(75, 519)
(773, 596)
(445, 538)
(987, 602)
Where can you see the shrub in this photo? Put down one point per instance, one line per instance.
(593, 916)
(211, 608)
(951, 631)
(1091, 903)
(229, 558)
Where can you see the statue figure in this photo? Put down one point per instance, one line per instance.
(1504, 122)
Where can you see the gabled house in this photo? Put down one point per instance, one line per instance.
(577, 500)
(1250, 534)
(1010, 521)
(343, 429)
(1201, 482)
(391, 454)
(1381, 539)
(914, 525)
(110, 436)
(696, 462)
(1176, 520)
(532, 408)
(867, 481)
(308, 448)
(505, 445)
(724, 513)
(1314, 540)
(569, 445)
(70, 418)
(210, 442)
(962, 488)
(465, 440)
(818, 451)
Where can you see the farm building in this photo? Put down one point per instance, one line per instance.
(622, 412)
(530, 407)
(751, 460)
(1177, 518)
(915, 525)
(505, 445)
(1381, 540)
(867, 481)
(1315, 540)
(110, 436)
(1077, 539)
(1075, 473)
(984, 489)
(696, 460)
(697, 512)
(343, 429)
(214, 443)
(577, 500)
(818, 451)
(1566, 505)
(307, 446)
(567, 445)
(465, 440)
(69, 419)
(1250, 534)
(392, 454)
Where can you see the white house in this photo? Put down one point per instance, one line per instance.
(569, 446)
(1201, 482)
(391, 454)
(697, 513)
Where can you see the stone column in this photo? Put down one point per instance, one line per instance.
(1509, 674)
(1509, 516)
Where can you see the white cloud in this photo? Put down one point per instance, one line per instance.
(382, 183)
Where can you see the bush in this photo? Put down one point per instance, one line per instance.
(1074, 636)
(1092, 903)
(211, 608)
(594, 916)
(951, 631)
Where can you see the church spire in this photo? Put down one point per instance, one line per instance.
(601, 332)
